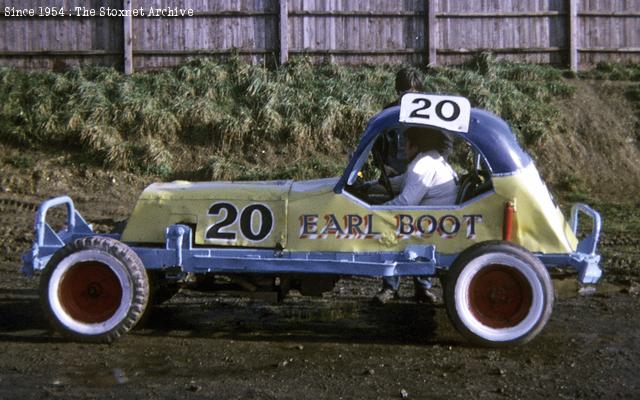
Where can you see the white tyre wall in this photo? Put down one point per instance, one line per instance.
(65, 316)
(94, 289)
(498, 295)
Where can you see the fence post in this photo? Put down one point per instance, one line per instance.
(573, 35)
(284, 32)
(432, 32)
(128, 37)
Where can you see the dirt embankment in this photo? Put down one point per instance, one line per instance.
(597, 153)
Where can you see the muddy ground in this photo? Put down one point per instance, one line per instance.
(207, 346)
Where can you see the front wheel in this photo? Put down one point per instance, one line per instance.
(498, 294)
(94, 289)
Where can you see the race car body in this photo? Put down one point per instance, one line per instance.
(304, 217)
(494, 243)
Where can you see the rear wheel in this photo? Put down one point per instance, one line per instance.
(498, 294)
(94, 289)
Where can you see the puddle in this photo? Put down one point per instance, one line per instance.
(119, 376)
(570, 288)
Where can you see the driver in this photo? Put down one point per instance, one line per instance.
(428, 180)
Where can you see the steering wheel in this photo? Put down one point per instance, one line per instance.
(386, 183)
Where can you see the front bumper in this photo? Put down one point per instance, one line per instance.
(585, 259)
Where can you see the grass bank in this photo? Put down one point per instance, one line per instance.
(210, 120)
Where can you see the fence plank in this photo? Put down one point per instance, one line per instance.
(573, 35)
(432, 29)
(128, 39)
(284, 32)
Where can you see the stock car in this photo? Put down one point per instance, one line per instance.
(492, 249)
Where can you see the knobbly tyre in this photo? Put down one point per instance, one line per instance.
(492, 249)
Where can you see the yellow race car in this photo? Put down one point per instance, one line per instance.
(492, 248)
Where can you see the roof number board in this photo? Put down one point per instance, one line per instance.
(449, 112)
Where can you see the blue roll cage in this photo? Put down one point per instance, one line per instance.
(488, 134)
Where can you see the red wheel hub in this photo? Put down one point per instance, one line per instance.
(500, 296)
(90, 292)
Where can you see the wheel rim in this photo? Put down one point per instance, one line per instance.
(500, 296)
(90, 292)
(468, 307)
(61, 301)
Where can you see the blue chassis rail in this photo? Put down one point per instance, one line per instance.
(178, 251)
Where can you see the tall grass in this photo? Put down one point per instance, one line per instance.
(245, 121)
(613, 72)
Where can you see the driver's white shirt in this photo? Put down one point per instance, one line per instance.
(429, 180)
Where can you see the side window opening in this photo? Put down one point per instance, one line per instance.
(364, 187)
(473, 174)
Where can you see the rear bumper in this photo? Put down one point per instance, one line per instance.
(46, 241)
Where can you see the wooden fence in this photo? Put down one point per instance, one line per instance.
(573, 33)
